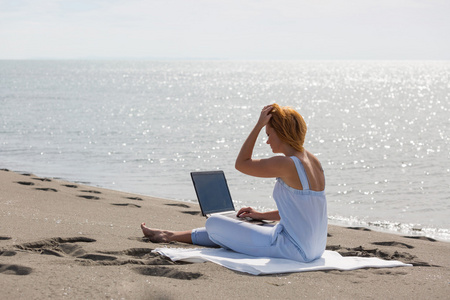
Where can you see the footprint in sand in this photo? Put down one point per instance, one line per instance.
(42, 179)
(51, 243)
(136, 252)
(192, 212)
(420, 238)
(134, 198)
(91, 191)
(25, 182)
(98, 257)
(14, 270)
(167, 272)
(7, 253)
(126, 204)
(333, 247)
(179, 205)
(70, 248)
(89, 197)
(57, 246)
(393, 244)
(72, 186)
(140, 256)
(363, 252)
(47, 189)
(359, 228)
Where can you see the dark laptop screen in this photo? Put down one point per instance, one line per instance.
(212, 191)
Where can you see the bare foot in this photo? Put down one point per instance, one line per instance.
(156, 235)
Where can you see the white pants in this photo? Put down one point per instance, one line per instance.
(247, 238)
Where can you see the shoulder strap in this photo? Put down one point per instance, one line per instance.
(301, 172)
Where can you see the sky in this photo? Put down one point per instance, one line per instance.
(227, 29)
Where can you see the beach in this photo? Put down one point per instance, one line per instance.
(380, 130)
(62, 239)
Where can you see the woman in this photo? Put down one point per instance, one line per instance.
(299, 194)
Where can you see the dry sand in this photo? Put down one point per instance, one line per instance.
(67, 240)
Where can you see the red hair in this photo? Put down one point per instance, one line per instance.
(289, 126)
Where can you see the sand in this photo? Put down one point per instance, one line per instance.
(61, 240)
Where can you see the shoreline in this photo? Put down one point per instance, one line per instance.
(379, 226)
(61, 239)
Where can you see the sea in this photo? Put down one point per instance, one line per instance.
(380, 128)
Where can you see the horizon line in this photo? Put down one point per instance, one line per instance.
(125, 58)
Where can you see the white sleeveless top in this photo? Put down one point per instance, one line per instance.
(303, 215)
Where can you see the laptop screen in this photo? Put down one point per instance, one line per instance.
(212, 192)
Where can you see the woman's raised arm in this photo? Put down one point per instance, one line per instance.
(270, 167)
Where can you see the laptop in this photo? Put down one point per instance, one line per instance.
(214, 195)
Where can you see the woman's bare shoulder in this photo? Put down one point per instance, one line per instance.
(313, 161)
(315, 173)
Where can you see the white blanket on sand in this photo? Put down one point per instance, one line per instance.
(330, 260)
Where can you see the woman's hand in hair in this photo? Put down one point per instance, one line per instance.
(265, 116)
